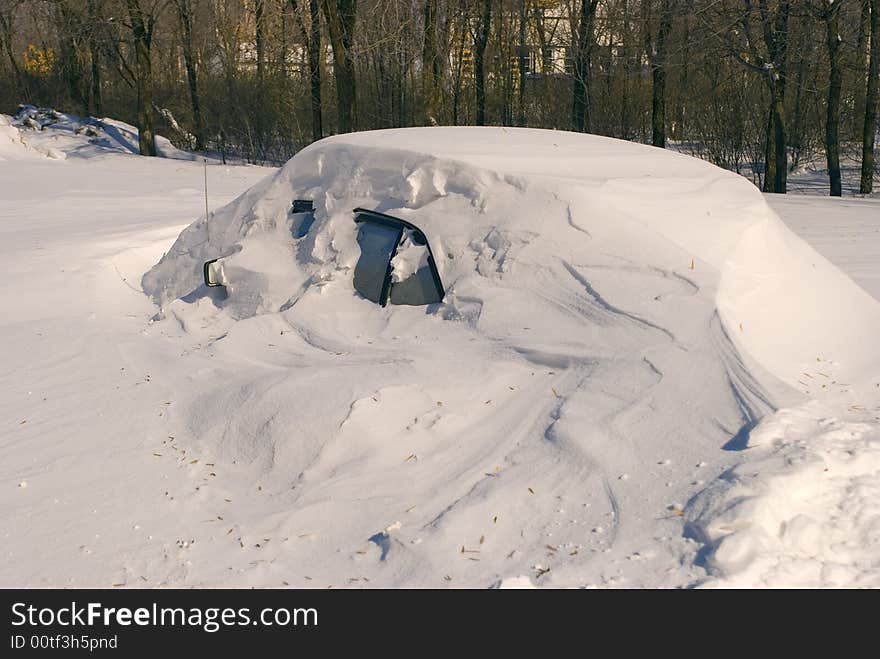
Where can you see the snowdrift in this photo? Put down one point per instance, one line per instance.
(615, 316)
(59, 135)
(11, 145)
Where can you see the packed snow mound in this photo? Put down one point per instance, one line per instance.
(11, 145)
(804, 509)
(497, 200)
(59, 135)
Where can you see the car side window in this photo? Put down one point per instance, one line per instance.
(396, 262)
(303, 211)
(377, 243)
(411, 280)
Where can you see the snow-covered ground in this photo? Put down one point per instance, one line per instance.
(844, 230)
(84, 399)
(567, 418)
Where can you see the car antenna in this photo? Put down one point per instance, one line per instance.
(207, 226)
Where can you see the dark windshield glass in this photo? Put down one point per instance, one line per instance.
(377, 243)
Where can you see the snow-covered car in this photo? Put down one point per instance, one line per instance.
(500, 341)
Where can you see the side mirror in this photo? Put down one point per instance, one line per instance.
(212, 272)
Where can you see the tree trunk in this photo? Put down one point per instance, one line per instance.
(799, 121)
(260, 41)
(860, 60)
(429, 65)
(541, 31)
(658, 106)
(684, 79)
(459, 66)
(776, 152)
(864, 32)
(69, 26)
(625, 108)
(312, 39)
(769, 155)
(6, 24)
(870, 127)
(479, 61)
(503, 70)
(775, 28)
(581, 120)
(73, 67)
(185, 16)
(142, 30)
(97, 103)
(95, 61)
(832, 119)
(780, 150)
(315, 69)
(261, 129)
(658, 76)
(522, 53)
(341, 15)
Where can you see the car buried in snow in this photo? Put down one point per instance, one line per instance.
(495, 323)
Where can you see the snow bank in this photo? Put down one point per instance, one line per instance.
(59, 135)
(11, 144)
(804, 512)
(790, 308)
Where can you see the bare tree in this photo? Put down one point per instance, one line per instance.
(871, 98)
(315, 68)
(481, 40)
(583, 46)
(830, 14)
(430, 64)
(184, 13)
(656, 47)
(768, 58)
(141, 25)
(95, 19)
(341, 16)
(311, 37)
(522, 59)
(7, 24)
(71, 29)
(260, 39)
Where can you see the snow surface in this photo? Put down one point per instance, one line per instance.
(83, 384)
(846, 231)
(620, 324)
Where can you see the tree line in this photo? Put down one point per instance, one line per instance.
(761, 87)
